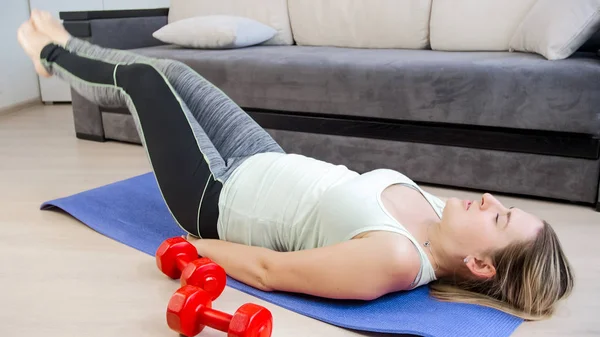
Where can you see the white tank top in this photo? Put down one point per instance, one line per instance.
(290, 202)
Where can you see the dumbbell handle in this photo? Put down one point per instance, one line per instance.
(215, 319)
(190, 311)
(182, 261)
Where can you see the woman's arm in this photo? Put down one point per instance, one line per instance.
(362, 269)
(246, 264)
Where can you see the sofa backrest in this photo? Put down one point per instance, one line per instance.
(270, 12)
(361, 23)
(453, 25)
(474, 25)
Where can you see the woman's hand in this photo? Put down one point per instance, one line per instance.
(195, 242)
(190, 238)
(244, 263)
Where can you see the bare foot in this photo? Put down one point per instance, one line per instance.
(33, 42)
(48, 25)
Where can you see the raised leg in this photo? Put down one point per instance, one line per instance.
(232, 132)
(184, 161)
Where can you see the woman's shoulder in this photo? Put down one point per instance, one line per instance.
(436, 202)
(402, 256)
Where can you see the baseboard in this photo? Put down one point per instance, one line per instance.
(20, 106)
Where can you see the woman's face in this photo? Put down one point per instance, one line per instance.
(477, 227)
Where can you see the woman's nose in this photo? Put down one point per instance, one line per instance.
(488, 201)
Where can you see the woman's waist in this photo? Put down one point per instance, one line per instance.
(274, 230)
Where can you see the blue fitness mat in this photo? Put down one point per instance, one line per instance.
(133, 212)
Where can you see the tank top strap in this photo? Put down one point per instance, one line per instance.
(426, 272)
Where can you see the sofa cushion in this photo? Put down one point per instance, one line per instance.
(273, 13)
(215, 32)
(556, 29)
(476, 25)
(361, 23)
(503, 89)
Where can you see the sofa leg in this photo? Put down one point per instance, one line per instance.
(94, 138)
(87, 118)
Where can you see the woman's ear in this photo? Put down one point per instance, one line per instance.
(480, 268)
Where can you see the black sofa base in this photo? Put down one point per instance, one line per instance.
(561, 144)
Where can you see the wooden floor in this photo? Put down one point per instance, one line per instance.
(59, 278)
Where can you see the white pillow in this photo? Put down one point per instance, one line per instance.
(476, 25)
(361, 23)
(215, 32)
(557, 28)
(273, 13)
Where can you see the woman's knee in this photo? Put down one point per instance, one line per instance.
(139, 75)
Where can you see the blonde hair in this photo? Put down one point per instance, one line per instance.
(531, 277)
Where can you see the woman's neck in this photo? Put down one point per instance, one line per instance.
(443, 261)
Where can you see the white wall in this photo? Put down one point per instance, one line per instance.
(18, 80)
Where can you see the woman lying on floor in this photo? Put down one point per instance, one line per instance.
(287, 222)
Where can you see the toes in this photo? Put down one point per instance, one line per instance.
(43, 20)
(26, 27)
(24, 30)
(47, 16)
(20, 36)
(35, 17)
(21, 27)
(39, 15)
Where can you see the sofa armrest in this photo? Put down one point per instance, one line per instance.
(118, 29)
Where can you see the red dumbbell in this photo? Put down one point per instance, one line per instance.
(190, 311)
(177, 258)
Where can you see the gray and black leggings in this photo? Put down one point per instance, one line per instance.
(194, 135)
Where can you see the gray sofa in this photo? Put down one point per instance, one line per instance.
(504, 122)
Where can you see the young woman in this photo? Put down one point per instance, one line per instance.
(287, 222)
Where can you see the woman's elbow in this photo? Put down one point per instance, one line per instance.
(375, 291)
(264, 276)
(371, 295)
(262, 284)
